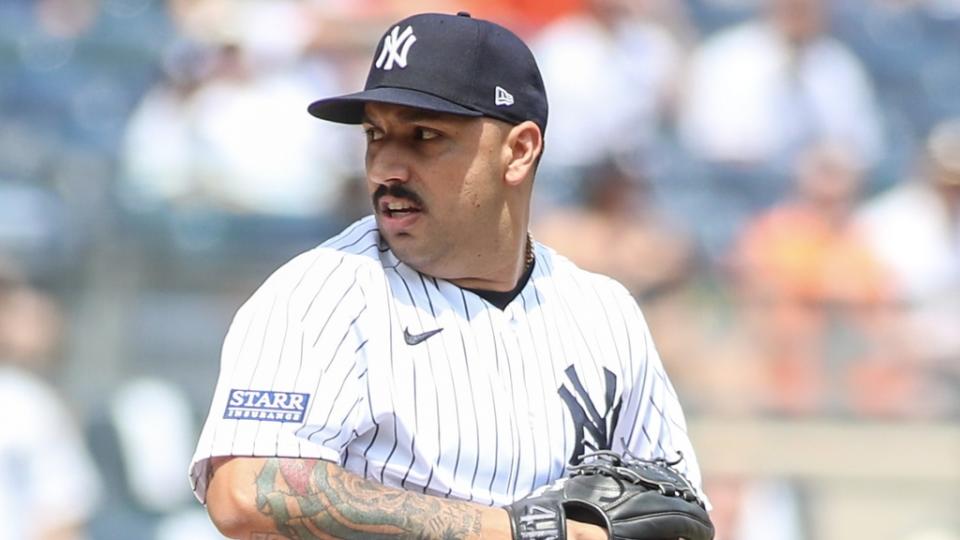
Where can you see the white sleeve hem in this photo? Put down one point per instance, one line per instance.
(199, 471)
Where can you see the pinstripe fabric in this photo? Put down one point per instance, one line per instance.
(494, 405)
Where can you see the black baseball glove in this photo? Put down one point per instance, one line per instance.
(634, 499)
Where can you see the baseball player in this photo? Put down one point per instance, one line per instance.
(432, 364)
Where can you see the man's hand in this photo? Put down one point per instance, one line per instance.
(585, 531)
(635, 499)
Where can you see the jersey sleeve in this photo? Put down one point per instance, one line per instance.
(292, 376)
(652, 424)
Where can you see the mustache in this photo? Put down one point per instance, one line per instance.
(395, 190)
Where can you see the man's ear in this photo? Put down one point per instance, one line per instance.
(523, 147)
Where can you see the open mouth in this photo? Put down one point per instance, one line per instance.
(398, 208)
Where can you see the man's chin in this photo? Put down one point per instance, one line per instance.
(403, 245)
(410, 250)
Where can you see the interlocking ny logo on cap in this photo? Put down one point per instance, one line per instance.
(396, 46)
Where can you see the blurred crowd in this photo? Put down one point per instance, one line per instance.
(777, 182)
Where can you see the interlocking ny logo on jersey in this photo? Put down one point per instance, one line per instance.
(396, 46)
(590, 427)
(266, 405)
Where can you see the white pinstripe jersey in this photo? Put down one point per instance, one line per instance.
(485, 405)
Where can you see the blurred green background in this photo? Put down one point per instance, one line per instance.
(778, 183)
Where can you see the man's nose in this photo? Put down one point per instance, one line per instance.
(388, 164)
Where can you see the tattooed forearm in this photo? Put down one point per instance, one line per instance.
(310, 500)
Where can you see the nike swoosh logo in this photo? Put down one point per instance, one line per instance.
(414, 339)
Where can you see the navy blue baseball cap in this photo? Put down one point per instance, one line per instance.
(450, 64)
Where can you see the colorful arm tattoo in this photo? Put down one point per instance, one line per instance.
(310, 500)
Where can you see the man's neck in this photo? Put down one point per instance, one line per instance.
(506, 278)
(503, 299)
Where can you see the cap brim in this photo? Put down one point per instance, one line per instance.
(348, 109)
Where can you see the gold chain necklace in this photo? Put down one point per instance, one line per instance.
(529, 255)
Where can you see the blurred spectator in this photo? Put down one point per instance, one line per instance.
(620, 233)
(227, 131)
(162, 173)
(815, 299)
(759, 92)
(912, 50)
(754, 96)
(49, 487)
(612, 70)
(142, 441)
(914, 228)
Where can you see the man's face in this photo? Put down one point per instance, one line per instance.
(436, 182)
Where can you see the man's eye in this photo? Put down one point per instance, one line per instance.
(373, 134)
(424, 134)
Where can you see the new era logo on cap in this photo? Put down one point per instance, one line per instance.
(396, 46)
(503, 98)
